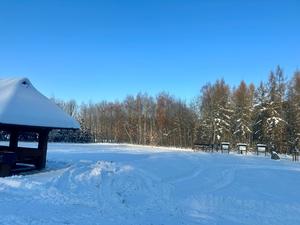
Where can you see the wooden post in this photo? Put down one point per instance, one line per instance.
(43, 143)
(295, 155)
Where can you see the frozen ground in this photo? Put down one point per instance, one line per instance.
(130, 185)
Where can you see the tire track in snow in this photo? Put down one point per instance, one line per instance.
(209, 180)
(134, 195)
(213, 209)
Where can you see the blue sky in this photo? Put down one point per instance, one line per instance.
(96, 50)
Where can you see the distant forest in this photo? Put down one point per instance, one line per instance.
(268, 113)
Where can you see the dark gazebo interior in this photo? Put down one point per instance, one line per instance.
(14, 158)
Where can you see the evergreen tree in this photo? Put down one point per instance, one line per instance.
(293, 111)
(260, 114)
(215, 113)
(275, 124)
(243, 109)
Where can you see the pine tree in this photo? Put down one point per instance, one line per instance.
(215, 113)
(275, 124)
(293, 112)
(243, 109)
(260, 114)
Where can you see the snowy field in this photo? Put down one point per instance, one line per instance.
(129, 185)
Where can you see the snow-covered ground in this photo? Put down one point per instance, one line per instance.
(129, 185)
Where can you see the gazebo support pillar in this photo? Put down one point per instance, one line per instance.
(13, 141)
(42, 147)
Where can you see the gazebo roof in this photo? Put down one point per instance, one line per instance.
(23, 105)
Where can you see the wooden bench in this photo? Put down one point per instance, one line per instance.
(202, 147)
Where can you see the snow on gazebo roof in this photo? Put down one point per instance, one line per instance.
(22, 104)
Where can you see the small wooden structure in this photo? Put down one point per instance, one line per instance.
(202, 147)
(242, 148)
(225, 147)
(24, 109)
(261, 148)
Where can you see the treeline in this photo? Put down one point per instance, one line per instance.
(139, 119)
(268, 113)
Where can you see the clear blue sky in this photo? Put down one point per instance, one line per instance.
(95, 50)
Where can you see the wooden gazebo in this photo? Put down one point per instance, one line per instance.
(24, 109)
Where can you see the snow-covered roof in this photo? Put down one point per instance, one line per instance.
(22, 104)
(241, 144)
(261, 145)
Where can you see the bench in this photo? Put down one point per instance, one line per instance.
(202, 147)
